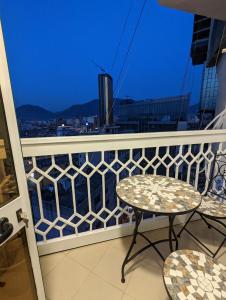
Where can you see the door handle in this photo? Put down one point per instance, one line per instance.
(6, 229)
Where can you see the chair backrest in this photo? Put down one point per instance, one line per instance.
(217, 182)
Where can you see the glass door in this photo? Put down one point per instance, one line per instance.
(20, 275)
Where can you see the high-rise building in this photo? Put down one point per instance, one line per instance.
(200, 39)
(105, 100)
(209, 92)
(207, 44)
(154, 114)
(208, 97)
(199, 50)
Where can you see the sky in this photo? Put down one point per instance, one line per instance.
(51, 48)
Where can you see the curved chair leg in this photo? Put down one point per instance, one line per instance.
(213, 254)
(223, 233)
(189, 219)
(221, 245)
(207, 223)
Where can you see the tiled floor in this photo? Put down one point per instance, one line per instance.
(93, 272)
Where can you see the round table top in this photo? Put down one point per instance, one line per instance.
(158, 194)
(190, 274)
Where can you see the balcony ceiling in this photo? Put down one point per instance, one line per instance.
(211, 8)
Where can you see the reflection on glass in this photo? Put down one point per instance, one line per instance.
(16, 277)
(8, 183)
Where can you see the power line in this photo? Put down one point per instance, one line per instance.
(131, 43)
(121, 36)
(185, 77)
(118, 87)
(122, 81)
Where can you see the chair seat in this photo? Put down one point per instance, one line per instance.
(193, 275)
(212, 208)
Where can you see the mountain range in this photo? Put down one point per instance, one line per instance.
(36, 113)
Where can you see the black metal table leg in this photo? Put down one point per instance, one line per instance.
(138, 217)
(175, 237)
(185, 225)
(172, 232)
(172, 238)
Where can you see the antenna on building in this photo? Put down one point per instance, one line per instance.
(98, 66)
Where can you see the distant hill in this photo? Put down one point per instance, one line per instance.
(80, 110)
(33, 113)
(37, 113)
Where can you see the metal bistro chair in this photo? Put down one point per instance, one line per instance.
(213, 205)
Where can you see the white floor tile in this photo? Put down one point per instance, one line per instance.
(96, 289)
(65, 279)
(48, 262)
(89, 256)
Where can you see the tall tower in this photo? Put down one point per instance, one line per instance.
(105, 100)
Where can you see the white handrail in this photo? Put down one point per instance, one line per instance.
(79, 144)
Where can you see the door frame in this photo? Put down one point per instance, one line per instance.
(23, 199)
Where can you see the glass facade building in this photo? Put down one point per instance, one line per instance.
(210, 87)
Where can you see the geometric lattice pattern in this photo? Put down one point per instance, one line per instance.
(193, 275)
(75, 193)
(217, 183)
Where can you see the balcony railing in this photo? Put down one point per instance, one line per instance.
(71, 180)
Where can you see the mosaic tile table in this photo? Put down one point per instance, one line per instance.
(193, 275)
(158, 195)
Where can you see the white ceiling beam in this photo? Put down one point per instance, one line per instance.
(210, 8)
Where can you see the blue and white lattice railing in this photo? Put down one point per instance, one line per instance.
(71, 180)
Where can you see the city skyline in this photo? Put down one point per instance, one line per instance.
(51, 60)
